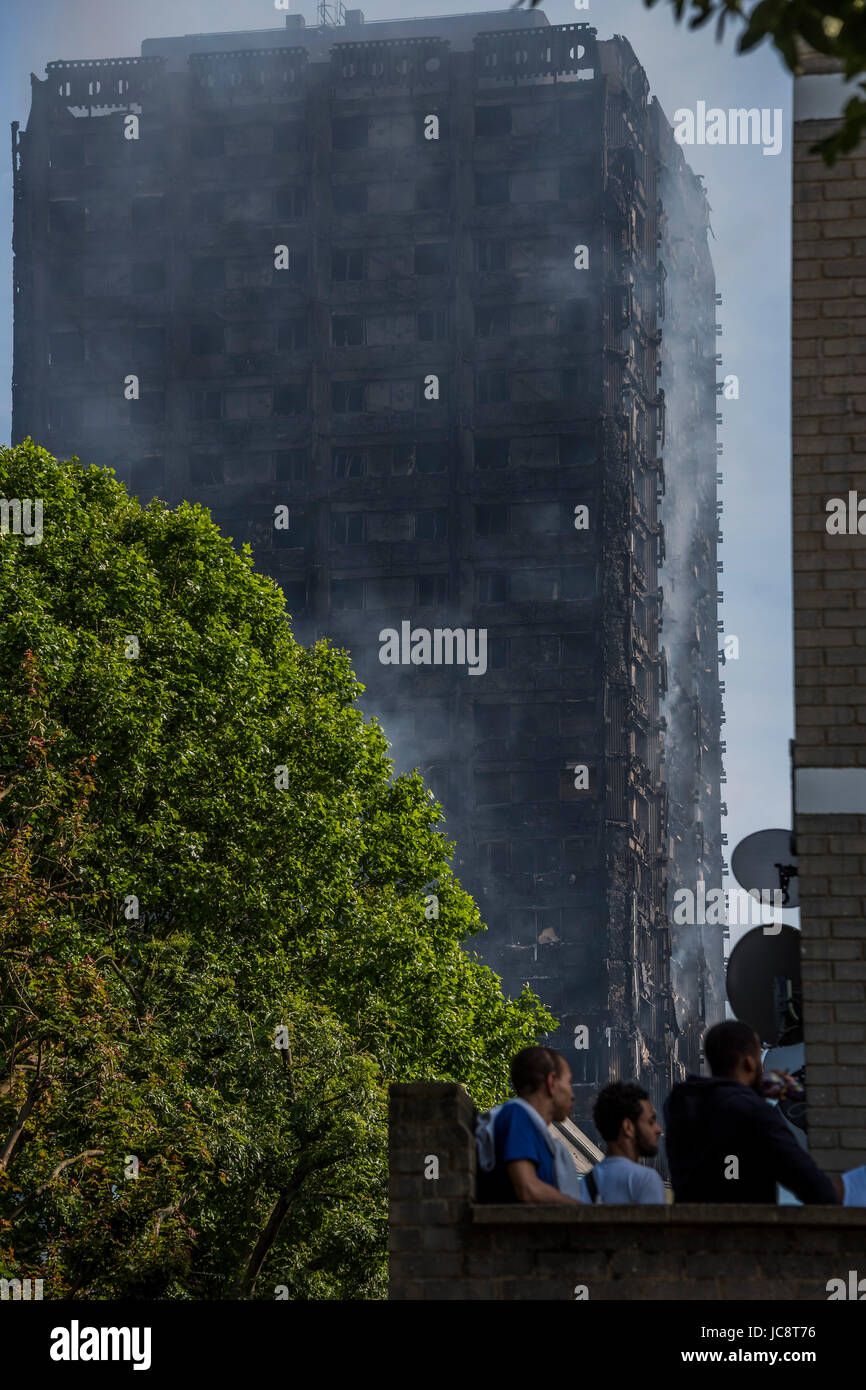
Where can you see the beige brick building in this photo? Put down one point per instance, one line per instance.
(829, 461)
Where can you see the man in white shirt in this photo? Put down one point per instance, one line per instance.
(627, 1122)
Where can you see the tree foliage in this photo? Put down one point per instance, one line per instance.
(833, 27)
(214, 949)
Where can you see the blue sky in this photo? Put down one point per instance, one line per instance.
(750, 195)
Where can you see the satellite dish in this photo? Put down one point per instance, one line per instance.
(764, 987)
(766, 862)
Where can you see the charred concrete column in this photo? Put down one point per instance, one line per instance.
(829, 462)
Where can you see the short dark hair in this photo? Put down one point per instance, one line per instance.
(531, 1067)
(618, 1101)
(727, 1042)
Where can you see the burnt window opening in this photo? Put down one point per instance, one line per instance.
(349, 463)
(433, 192)
(431, 258)
(206, 405)
(533, 786)
(206, 470)
(577, 450)
(347, 593)
(579, 582)
(575, 650)
(575, 316)
(432, 325)
(348, 528)
(492, 321)
(491, 453)
(492, 586)
(207, 339)
(575, 180)
(535, 856)
(494, 856)
(294, 536)
(577, 717)
(291, 465)
(432, 590)
(432, 456)
(347, 396)
(295, 591)
(542, 518)
(492, 188)
(534, 585)
(491, 256)
(349, 199)
(208, 273)
(347, 330)
(296, 271)
(491, 387)
(535, 720)
(347, 264)
(431, 524)
(290, 399)
(492, 519)
(290, 202)
(207, 208)
(492, 121)
(350, 132)
(492, 721)
(492, 788)
(147, 475)
(292, 335)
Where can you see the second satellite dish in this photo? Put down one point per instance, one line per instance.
(764, 987)
(765, 862)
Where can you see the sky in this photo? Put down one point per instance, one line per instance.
(750, 196)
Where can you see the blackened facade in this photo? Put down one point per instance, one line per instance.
(390, 299)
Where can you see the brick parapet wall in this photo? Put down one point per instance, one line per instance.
(829, 453)
(445, 1246)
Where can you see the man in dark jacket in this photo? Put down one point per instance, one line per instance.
(724, 1142)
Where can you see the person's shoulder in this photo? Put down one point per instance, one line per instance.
(648, 1183)
(512, 1116)
(736, 1098)
(501, 1116)
(749, 1103)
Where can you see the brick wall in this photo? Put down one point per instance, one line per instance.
(829, 439)
(444, 1246)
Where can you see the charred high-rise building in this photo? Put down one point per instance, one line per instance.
(391, 299)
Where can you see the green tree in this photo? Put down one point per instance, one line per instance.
(215, 952)
(833, 27)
